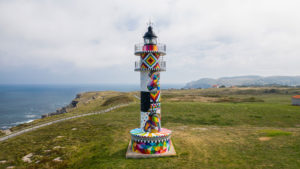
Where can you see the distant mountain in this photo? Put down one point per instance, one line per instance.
(245, 81)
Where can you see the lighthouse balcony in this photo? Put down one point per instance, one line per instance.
(139, 66)
(142, 48)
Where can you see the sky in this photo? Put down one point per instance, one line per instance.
(92, 41)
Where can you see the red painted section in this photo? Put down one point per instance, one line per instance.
(149, 48)
(296, 97)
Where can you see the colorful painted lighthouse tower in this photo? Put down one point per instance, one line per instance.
(150, 137)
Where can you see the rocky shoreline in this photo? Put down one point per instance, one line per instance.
(61, 110)
(65, 109)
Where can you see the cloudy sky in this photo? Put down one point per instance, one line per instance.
(80, 42)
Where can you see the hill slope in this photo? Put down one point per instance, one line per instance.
(246, 81)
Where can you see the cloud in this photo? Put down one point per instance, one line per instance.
(95, 39)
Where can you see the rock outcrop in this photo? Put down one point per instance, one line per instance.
(6, 132)
(65, 109)
(27, 158)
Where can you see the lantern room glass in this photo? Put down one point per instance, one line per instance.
(150, 41)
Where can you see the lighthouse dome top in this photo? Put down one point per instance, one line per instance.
(150, 33)
(150, 37)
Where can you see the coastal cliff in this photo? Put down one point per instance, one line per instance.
(85, 102)
(106, 98)
(67, 108)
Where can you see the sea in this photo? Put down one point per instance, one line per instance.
(24, 103)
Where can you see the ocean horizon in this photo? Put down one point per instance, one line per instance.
(24, 103)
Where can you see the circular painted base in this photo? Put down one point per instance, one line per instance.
(150, 143)
(151, 147)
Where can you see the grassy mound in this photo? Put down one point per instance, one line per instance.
(122, 99)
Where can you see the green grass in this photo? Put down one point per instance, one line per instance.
(273, 133)
(205, 135)
(122, 99)
(230, 114)
(240, 100)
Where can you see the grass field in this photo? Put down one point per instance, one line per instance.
(213, 128)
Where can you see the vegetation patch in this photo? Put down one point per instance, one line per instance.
(117, 100)
(192, 98)
(212, 95)
(272, 91)
(239, 100)
(1, 133)
(273, 133)
(255, 116)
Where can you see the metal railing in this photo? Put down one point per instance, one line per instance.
(139, 48)
(162, 64)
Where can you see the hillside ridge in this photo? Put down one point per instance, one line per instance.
(250, 80)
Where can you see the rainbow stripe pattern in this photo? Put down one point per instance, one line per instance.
(150, 147)
(149, 48)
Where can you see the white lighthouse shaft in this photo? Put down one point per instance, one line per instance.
(150, 65)
(150, 106)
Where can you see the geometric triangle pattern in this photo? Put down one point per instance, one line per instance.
(156, 66)
(156, 55)
(150, 147)
(143, 55)
(144, 66)
(155, 97)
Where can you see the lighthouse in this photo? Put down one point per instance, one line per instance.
(150, 139)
